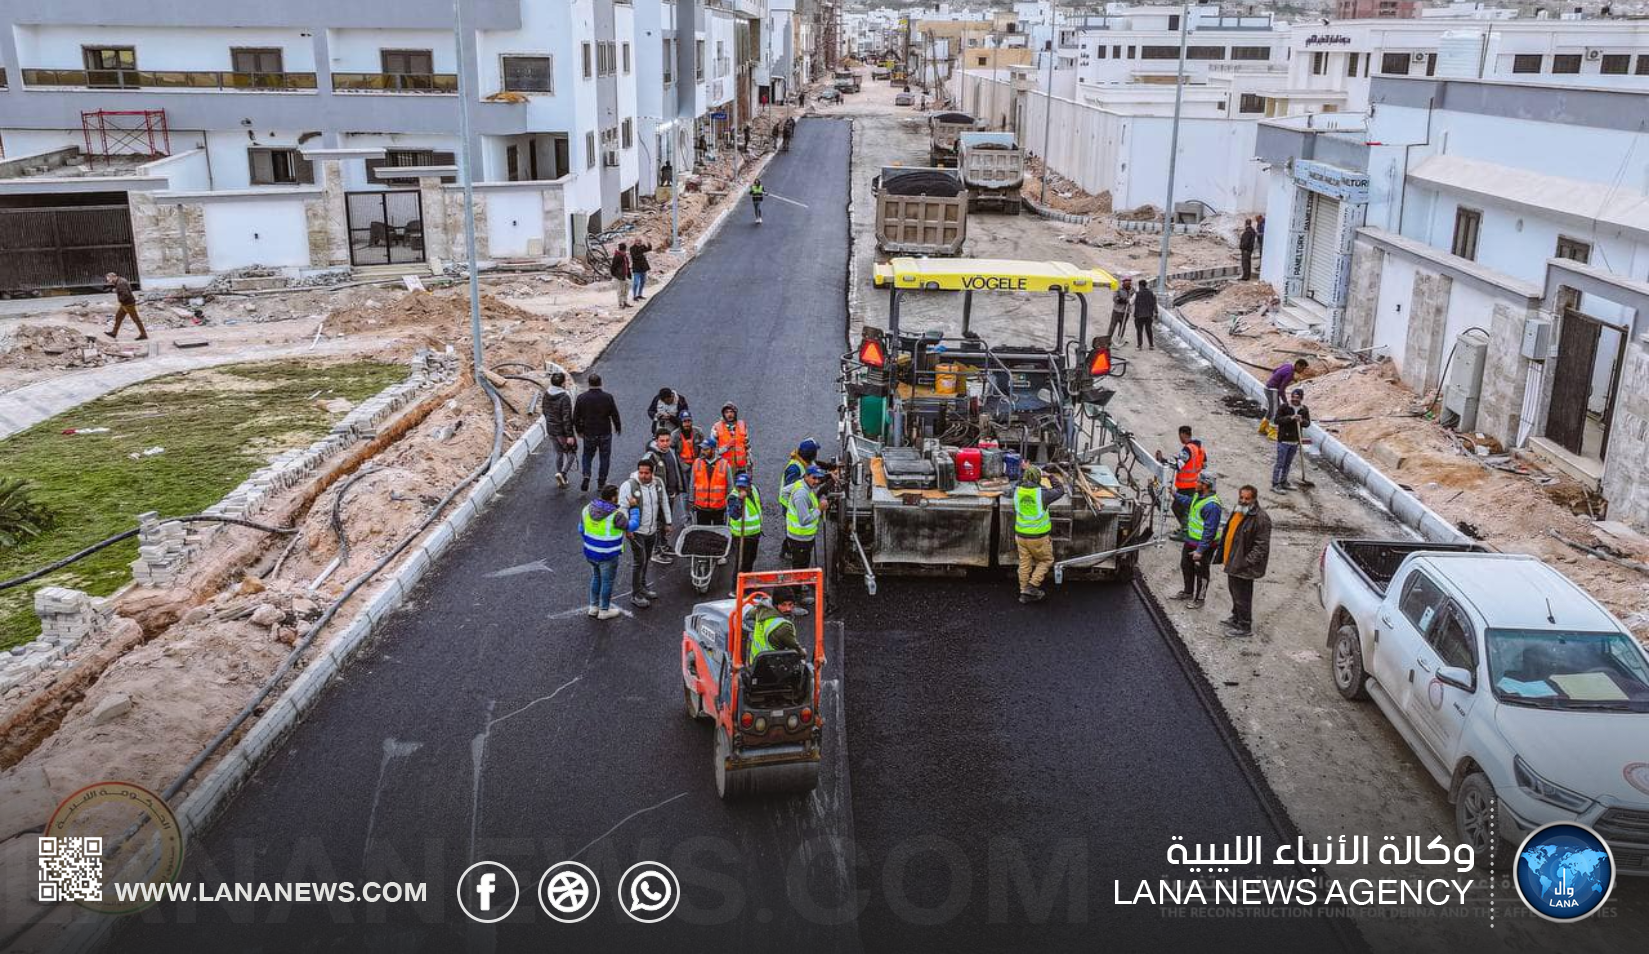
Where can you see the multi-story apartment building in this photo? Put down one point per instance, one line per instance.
(1141, 45)
(1377, 9)
(314, 135)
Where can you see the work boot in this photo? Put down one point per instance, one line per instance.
(1036, 592)
(1181, 595)
(638, 600)
(1239, 631)
(1197, 600)
(1026, 597)
(1280, 488)
(649, 592)
(1229, 622)
(584, 485)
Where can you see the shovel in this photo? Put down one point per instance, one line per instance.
(1304, 480)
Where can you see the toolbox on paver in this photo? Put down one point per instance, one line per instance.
(915, 474)
(944, 469)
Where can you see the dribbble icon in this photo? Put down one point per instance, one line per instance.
(648, 892)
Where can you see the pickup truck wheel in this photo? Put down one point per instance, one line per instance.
(1349, 675)
(1474, 810)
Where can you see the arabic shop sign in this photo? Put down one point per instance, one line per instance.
(1328, 39)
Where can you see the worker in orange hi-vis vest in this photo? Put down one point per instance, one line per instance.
(732, 438)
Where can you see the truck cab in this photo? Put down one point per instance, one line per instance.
(1511, 685)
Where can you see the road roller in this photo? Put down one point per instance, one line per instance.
(768, 727)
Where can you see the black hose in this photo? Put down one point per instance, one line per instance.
(126, 535)
(1220, 343)
(354, 587)
(337, 512)
(1195, 294)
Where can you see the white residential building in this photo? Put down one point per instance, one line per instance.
(1518, 209)
(313, 135)
(1141, 45)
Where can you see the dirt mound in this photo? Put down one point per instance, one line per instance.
(428, 309)
(40, 347)
(1063, 194)
(1144, 213)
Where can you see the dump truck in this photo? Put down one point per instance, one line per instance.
(993, 169)
(943, 130)
(936, 427)
(845, 81)
(920, 211)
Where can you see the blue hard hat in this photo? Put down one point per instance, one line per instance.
(685, 415)
(816, 472)
(742, 480)
(809, 446)
(707, 444)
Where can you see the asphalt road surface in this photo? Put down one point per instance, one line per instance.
(998, 767)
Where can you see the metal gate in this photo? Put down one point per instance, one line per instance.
(70, 247)
(1572, 383)
(1323, 257)
(385, 228)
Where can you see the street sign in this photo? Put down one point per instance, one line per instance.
(719, 114)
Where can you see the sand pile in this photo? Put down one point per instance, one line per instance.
(434, 311)
(40, 347)
(1144, 213)
(1063, 195)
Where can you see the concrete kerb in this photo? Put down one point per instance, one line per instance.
(1069, 218)
(1403, 505)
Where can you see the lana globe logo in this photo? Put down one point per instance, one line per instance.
(1564, 871)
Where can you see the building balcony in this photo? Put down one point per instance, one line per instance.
(169, 79)
(395, 82)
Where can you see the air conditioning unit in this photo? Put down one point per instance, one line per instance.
(1594, 54)
(610, 157)
(1419, 57)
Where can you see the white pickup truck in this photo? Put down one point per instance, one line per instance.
(1507, 680)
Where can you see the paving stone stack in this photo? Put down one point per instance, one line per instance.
(66, 618)
(162, 550)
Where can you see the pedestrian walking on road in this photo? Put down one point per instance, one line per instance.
(1032, 527)
(744, 518)
(595, 417)
(1246, 552)
(803, 512)
(620, 268)
(667, 464)
(667, 409)
(1202, 533)
(639, 266)
(1245, 245)
(605, 526)
(126, 303)
(645, 492)
(1292, 420)
(1277, 385)
(1122, 302)
(558, 425)
(1188, 465)
(1145, 316)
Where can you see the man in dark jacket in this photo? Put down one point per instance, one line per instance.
(1245, 245)
(620, 268)
(595, 417)
(638, 269)
(1247, 550)
(668, 465)
(1122, 302)
(1145, 315)
(558, 424)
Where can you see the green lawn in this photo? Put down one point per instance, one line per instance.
(217, 426)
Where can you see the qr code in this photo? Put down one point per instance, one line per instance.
(71, 869)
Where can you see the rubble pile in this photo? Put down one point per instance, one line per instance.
(1063, 195)
(39, 347)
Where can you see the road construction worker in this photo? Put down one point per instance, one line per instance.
(803, 512)
(605, 525)
(712, 481)
(1188, 463)
(757, 194)
(732, 438)
(773, 628)
(744, 519)
(1202, 535)
(686, 440)
(1033, 528)
(804, 456)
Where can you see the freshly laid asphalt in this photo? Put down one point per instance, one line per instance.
(996, 770)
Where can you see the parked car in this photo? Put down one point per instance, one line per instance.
(904, 99)
(829, 95)
(1507, 680)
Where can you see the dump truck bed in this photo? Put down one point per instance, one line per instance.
(920, 211)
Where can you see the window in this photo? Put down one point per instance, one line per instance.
(698, 60)
(407, 62)
(1131, 53)
(110, 66)
(528, 74)
(626, 59)
(404, 158)
(1574, 250)
(669, 62)
(1643, 64)
(257, 61)
(1099, 52)
(981, 61)
(1319, 63)
(1205, 52)
(1467, 223)
(1251, 103)
(1158, 52)
(1616, 64)
(1394, 64)
(1526, 63)
(1173, 23)
(589, 148)
(1251, 52)
(589, 68)
(278, 167)
(1116, 52)
(1452, 638)
(1565, 62)
(1422, 599)
(1431, 64)
(628, 133)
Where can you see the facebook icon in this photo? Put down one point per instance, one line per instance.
(488, 892)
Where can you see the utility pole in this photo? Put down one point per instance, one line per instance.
(1173, 153)
(675, 188)
(1048, 97)
(467, 177)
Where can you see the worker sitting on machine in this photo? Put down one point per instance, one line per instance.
(770, 627)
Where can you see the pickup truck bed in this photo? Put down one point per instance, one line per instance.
(1377, 560)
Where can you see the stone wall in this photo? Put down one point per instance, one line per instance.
(170, 239)
(1428, 311)
(1624, 485)
(1368, 261)
(1505, 371)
